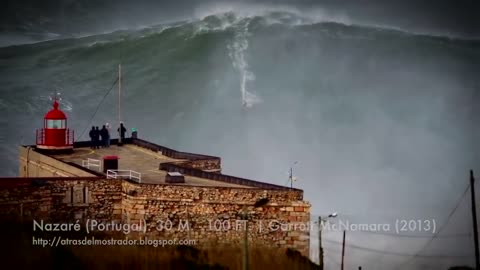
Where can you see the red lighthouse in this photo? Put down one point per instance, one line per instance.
(55, 135)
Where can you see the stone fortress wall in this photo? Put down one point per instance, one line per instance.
(212, 214)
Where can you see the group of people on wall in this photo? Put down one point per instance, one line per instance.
(100, 138)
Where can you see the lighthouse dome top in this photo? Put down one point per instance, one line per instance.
(55, 113)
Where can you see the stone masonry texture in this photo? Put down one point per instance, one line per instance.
(207, 214)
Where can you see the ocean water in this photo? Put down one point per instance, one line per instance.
(382, 122)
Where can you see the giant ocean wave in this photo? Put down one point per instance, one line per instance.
(228, 59)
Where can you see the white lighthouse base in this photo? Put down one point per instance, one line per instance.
(49, 147)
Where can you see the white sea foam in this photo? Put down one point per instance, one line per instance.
(39, 103)
(289, 15)
(66, 105)
(237, 49)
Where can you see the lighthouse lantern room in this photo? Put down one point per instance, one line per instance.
(55, 135)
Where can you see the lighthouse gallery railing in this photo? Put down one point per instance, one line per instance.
(69, 137)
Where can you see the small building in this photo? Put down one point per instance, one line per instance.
(55, 135)
(174, 177)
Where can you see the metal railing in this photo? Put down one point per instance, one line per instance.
(40, 136)
(173, 153)
(172, 167)
(121, 174)
(90, 162)
(69, 136)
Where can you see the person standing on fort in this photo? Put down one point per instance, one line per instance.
(107, 126)
(92, 138)
(101, 141)
(134, 133)
(122, 131)
(97, 138)
(105, 136)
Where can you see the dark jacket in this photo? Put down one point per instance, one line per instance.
(122, 131)
(92, 134)
(104, 133)
(96, 134)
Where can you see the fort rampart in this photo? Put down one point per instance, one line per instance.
(213, 214)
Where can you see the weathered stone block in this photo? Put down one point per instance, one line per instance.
(304, 237)
(294, 233)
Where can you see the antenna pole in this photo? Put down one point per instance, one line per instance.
(245, 245)
(343, 249)
(119, 101)
(320, 248)
(474, 217)
(291, 174)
